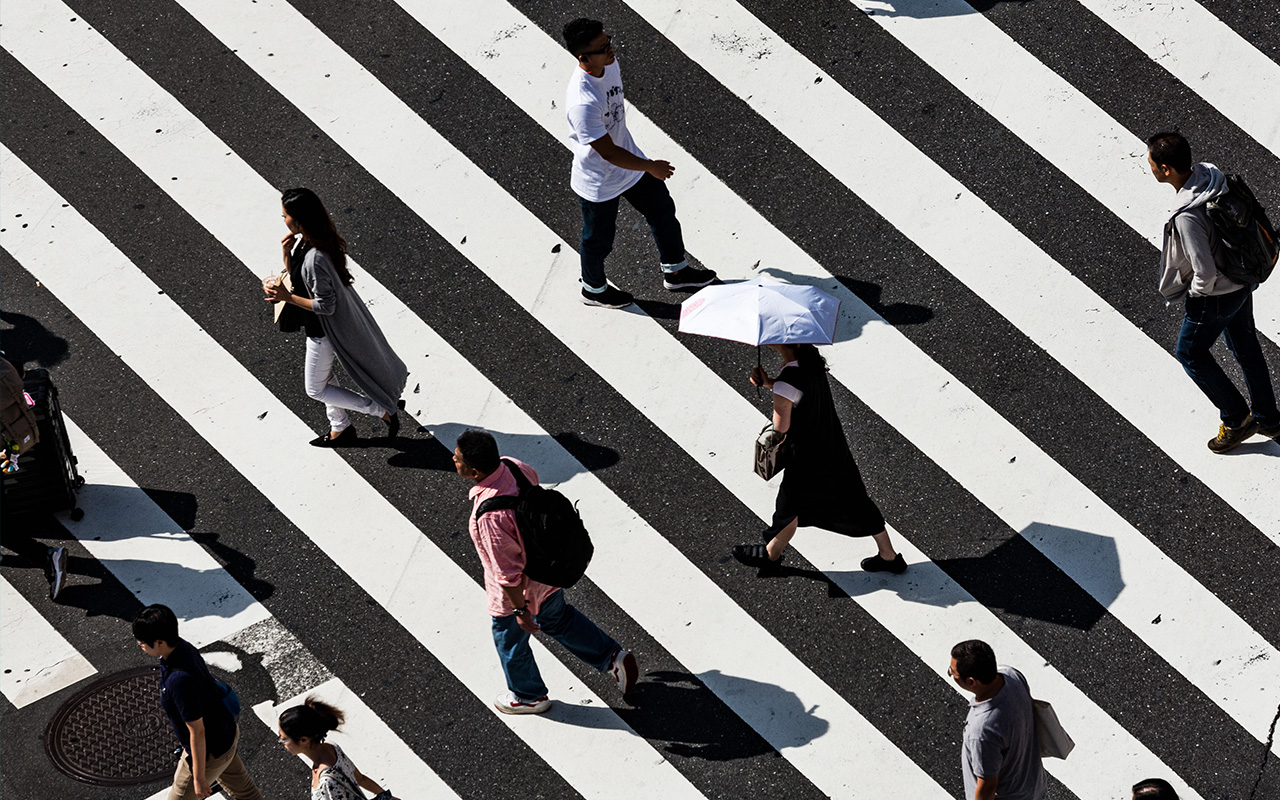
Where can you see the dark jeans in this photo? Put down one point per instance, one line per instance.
(600, 224)
(562, 622)
(1229, 315)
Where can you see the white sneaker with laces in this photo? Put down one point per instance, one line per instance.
(508, 703)
(624, 670)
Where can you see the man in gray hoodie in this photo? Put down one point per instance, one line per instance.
(1215, 305)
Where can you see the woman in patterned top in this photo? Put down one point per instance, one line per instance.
(333, 776)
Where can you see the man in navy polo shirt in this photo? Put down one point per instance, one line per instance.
(202, 723)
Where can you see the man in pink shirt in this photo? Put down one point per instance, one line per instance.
(520, 606)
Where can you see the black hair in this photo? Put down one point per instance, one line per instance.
(807, 355)
(579, 33)
(314, 719)
(975, 659)
(1170, 149)
(479, 450)
(1154, 789)
(317, 228)
(156, 623)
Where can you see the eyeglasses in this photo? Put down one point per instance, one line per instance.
(608, 47)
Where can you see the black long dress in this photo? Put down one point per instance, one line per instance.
(821, 485)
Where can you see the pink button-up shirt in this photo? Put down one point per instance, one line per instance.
(499, 545)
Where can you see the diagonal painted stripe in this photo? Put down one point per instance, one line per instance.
(1051, 306)
(374, 748)
(1063, 125)
(151, 555)
(438, 612)
(951, 425)
(1208, 56)
(763, 661)
(36, 661)
(719, 653)
(1077, 553)
(280, 67)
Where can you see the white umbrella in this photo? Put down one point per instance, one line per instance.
(762, 311)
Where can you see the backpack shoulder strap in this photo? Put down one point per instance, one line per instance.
(505, 502)
(522, 482)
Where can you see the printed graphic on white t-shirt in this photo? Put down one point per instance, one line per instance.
(594, 107)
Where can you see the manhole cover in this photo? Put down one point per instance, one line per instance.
(114, 732)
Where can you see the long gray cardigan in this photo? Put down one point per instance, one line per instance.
(362, 349)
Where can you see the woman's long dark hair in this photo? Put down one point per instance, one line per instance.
(807, 355)
(318, 228)
(313, 720)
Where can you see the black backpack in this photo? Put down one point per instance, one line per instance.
(1249, 242)
(556, 544)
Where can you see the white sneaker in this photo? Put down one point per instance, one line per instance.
(508, 703)
(624, 670)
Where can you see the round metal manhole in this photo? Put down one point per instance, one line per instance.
(114, 732)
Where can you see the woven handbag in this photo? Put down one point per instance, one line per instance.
(773, 452)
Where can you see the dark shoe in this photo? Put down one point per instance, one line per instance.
(1271, 433)
(877, 564)
(393, 423)
(756, 555)
(688, 278)
(611, 297)
(344, 439)
(1228, 438)
(57, 571)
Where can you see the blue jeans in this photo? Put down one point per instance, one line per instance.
(600, 224)
(1229, 315)
(562, 622)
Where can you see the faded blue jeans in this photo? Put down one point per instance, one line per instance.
(1230, 316)
(562, 622)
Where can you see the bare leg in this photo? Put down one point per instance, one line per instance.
(779, 542)
(886, 549)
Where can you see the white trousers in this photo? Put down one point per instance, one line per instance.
(321, 386)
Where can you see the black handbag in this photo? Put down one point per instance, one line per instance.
(773, 452)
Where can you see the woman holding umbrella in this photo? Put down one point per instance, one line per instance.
(821, 485)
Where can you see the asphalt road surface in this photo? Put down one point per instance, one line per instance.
(968, 179)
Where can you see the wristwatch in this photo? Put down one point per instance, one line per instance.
(520, 612)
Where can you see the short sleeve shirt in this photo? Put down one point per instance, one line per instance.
(498, 543)
(187, 693)
(594, 107)
(1000, 740)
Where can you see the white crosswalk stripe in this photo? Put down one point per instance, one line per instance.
(833, 744)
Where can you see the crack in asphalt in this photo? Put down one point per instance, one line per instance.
(1271, 738)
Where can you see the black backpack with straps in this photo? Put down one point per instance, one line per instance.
(556, 544)
(1249, 242)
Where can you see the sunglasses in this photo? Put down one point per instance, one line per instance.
(608, 46)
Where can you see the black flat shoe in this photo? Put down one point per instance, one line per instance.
(344, 439)
(393, 424)
(877, 564)
(756, 555)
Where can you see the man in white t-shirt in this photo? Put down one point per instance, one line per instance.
(607, 165)
(1000, 756)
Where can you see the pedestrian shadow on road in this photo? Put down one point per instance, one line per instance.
(1015, 577)
(932, 9)
(29, 340)
(546, 453)
(728, 733)
(1027, 575)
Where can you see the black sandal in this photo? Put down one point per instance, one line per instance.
(393, 422)
(344, 439)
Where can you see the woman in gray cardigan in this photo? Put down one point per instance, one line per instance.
(346, 330)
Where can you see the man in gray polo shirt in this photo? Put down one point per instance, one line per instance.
(1001, 752)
